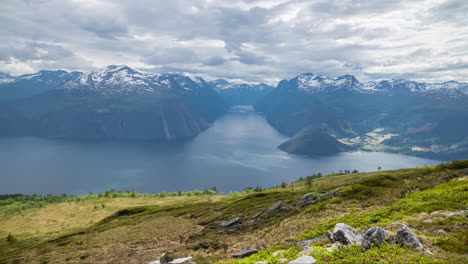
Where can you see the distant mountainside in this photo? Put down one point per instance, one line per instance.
(12, 88)
(240, 94)
(116, 102)
(397, 115)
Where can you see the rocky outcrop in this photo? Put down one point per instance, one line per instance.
(275, 208)
(232, 222)
(407, 237)
(304, 260)
(311, 198)
(245, 253)
(346, 235)
(373, 236)
(307, 242)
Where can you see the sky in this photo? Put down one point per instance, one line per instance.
(252, 41)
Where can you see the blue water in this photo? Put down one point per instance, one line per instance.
(237, 151)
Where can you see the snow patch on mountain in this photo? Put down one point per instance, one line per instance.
(120, 79)
(312, 84)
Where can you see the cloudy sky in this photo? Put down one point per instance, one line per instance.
(264, 40)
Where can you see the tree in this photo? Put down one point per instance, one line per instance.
(355, 171)
(283, 185)
(379, 168)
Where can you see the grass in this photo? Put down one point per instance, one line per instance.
(139, 229)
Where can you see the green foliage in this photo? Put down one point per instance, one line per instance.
(449, 196)
(384, 253)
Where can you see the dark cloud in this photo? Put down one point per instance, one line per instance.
(254, 40)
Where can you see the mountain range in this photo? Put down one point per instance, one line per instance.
(392, 115)
(319, 113)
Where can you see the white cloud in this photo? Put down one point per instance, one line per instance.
(257, 40)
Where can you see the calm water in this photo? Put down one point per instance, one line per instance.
(238, 151)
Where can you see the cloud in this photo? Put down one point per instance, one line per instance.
(255, 40)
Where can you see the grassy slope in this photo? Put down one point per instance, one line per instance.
(78, 233)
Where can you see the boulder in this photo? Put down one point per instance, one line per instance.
(330, 236)
(303, 260)
(407, 237)
(245, 253)
(306, 199)
(346, 235)
(275, 208)
(373, 236)
(307, 242)
(232, 222)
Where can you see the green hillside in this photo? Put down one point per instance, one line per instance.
(128, 227)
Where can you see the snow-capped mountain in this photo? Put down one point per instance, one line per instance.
(239, 93)
(221, 84)
(120, 79)
(31, 84)
(314, 84)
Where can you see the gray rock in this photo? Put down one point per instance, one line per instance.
(275, 208)
(330, 236)
(306, 199)
(307, 242)
(256, 216)
(373, 236)
(407, 237)
(346, 235)
(465, 171)
(304, 260)
(232, 222)
(245, 253)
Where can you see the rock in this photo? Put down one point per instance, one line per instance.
(307, 242)
(346, 235)
(303, 260)
(334, 246)
(275, 208)
(234, 221)
(180, 260)
(245, 253)
(306, 199)
(306, 251)
(465, 171)
(407, 237)
(440, 232)
(373, 236)
(261, 248)
(256, 216)
(330, 236)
